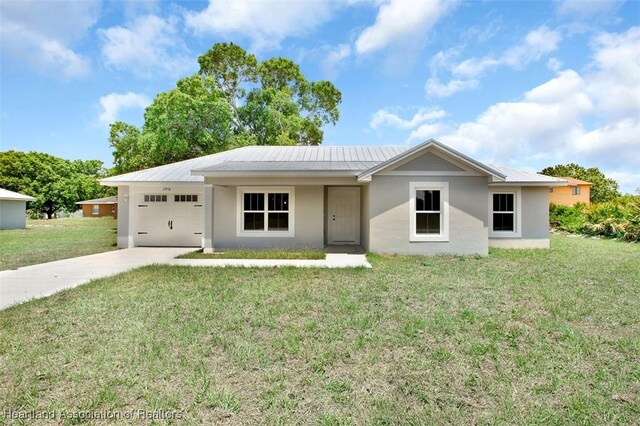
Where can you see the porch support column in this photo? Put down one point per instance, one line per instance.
(207, 246)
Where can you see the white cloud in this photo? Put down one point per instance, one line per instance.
(435, 88)
(113, 103)
(265, 23)
(536, 43)
(465, 74)
(335, 59)
(554, 64)
(591, 118)
(147, 46)
(427, 131)
(583, 8)
(40, 34)
(54, 55)
(383, 117)
(401, 20)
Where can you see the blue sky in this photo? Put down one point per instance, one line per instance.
(521, 83)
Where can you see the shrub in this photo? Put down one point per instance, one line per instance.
(619, 218)
(567, 218)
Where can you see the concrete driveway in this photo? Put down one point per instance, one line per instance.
(45, 279)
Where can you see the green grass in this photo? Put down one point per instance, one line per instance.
(257, 254)
(55, 239)
(519, 337)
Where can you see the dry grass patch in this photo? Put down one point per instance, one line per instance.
(257, 254)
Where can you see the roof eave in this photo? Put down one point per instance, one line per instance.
(528, 183)
(148, 182)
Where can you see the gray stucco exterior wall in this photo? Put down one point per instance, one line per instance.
(123, 217)
(535, 213)
(13, 214)
(308, 224)
(390, 216)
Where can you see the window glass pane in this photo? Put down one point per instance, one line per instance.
(427, 200)
(253, 202)
(503, 222)
(96, 209)
(278, 221)
(164, 198)
(253, 221)
(279, 202)
(503, 202)
(146, 198)
(427, 223)
(176, 198)
(194, 198)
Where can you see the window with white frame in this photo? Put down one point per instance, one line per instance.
(429, 210)
(265, 211)
(575, 190)
(96, 209)
(505, 213)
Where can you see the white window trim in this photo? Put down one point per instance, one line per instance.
(96, 209)
(443, 187)
(241, 190)
(517, 205)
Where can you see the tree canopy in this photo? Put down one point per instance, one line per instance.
(234, 100)
(602, 189)
(56, 183)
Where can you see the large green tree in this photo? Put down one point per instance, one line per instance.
(56, 183)
(602, 189)
(234, 100)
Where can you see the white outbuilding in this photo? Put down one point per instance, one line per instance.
(13, 209)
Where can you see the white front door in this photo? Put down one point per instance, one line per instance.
(343, 208)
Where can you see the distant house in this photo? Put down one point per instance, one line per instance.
(13, 209)
(577, 191)
(100, 207)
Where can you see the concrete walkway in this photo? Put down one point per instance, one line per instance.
(45, 279)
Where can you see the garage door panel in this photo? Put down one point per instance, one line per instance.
(170, 223)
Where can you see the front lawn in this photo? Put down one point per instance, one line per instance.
(55, 239)
(519, 337)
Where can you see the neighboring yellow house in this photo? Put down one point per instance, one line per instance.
(578, 191)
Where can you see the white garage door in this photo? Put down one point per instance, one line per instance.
(170, 220)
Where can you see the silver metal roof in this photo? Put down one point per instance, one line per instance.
(266, 158)
(254, 166)
(5, 194)
(523, 176)
(351, 160)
